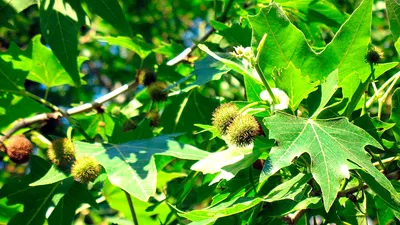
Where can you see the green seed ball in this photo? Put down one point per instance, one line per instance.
(85, 169)
(157, 91)
(374, 55)
(243, 130)
(223, 116)
(61, 152)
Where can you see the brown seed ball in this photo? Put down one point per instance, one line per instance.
(243, 130)
(61, 152)
(157, 91)
(85, 169)
(19, 149)
(223, 116)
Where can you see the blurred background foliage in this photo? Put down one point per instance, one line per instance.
(168, 26)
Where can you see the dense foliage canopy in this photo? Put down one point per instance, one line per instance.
(199, 112)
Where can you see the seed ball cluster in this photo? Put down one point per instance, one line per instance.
(157, 91)
(374, 55)
(85, 169)
(19, 149)
(61, 152)
(240, 130)
(223, 116)
(243, 130)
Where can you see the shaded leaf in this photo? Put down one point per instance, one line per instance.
(111, 11)
(131, 166)
(393, 11)
(136, 44)
(289, 189)
(118, 201)
(53, 175)
(185, 110)
(34, 208)
(395, 114)
(331, 144)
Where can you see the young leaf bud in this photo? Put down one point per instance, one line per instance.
(374, 55)
(85, 169)
(19, 149)
(243, 130)
(157, 91)
(61, 152)
(223, 116)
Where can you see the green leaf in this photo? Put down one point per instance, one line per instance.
(232, 160)
(73, 195)
(96, 124)
(228, 63)
(118, 201)
(8, 9)
(136, 44)
(131, 166)
(206, 70)
(289, 189)
(54, 175)
(14, 107)
(318, 100)
(235, 34)
(393, 8)
(18, 191)
(111, 11)
(185, 110)
(231, 207)
(296, 86)
(14, 68)
(169, 50)
(253, 89)
(59, 25)
(8, 211)
(331, 144)
(395, 114)
(46, 69)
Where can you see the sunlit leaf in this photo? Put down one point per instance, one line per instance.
(331, 144)
(131, 165)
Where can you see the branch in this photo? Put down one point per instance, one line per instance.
(72, 111)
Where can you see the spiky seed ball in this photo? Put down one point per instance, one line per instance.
(157, 91)
(85, 169)
(154, 116)
(19, 148)
(243, 130)
(374, 55)
(61, 152)
(223, 116)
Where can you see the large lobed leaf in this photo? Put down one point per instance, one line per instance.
(111, 11)
(393, 10)
(131, 165)
(59, 24)
(331, 144)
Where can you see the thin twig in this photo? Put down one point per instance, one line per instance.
(128, 197)
(72, 111)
